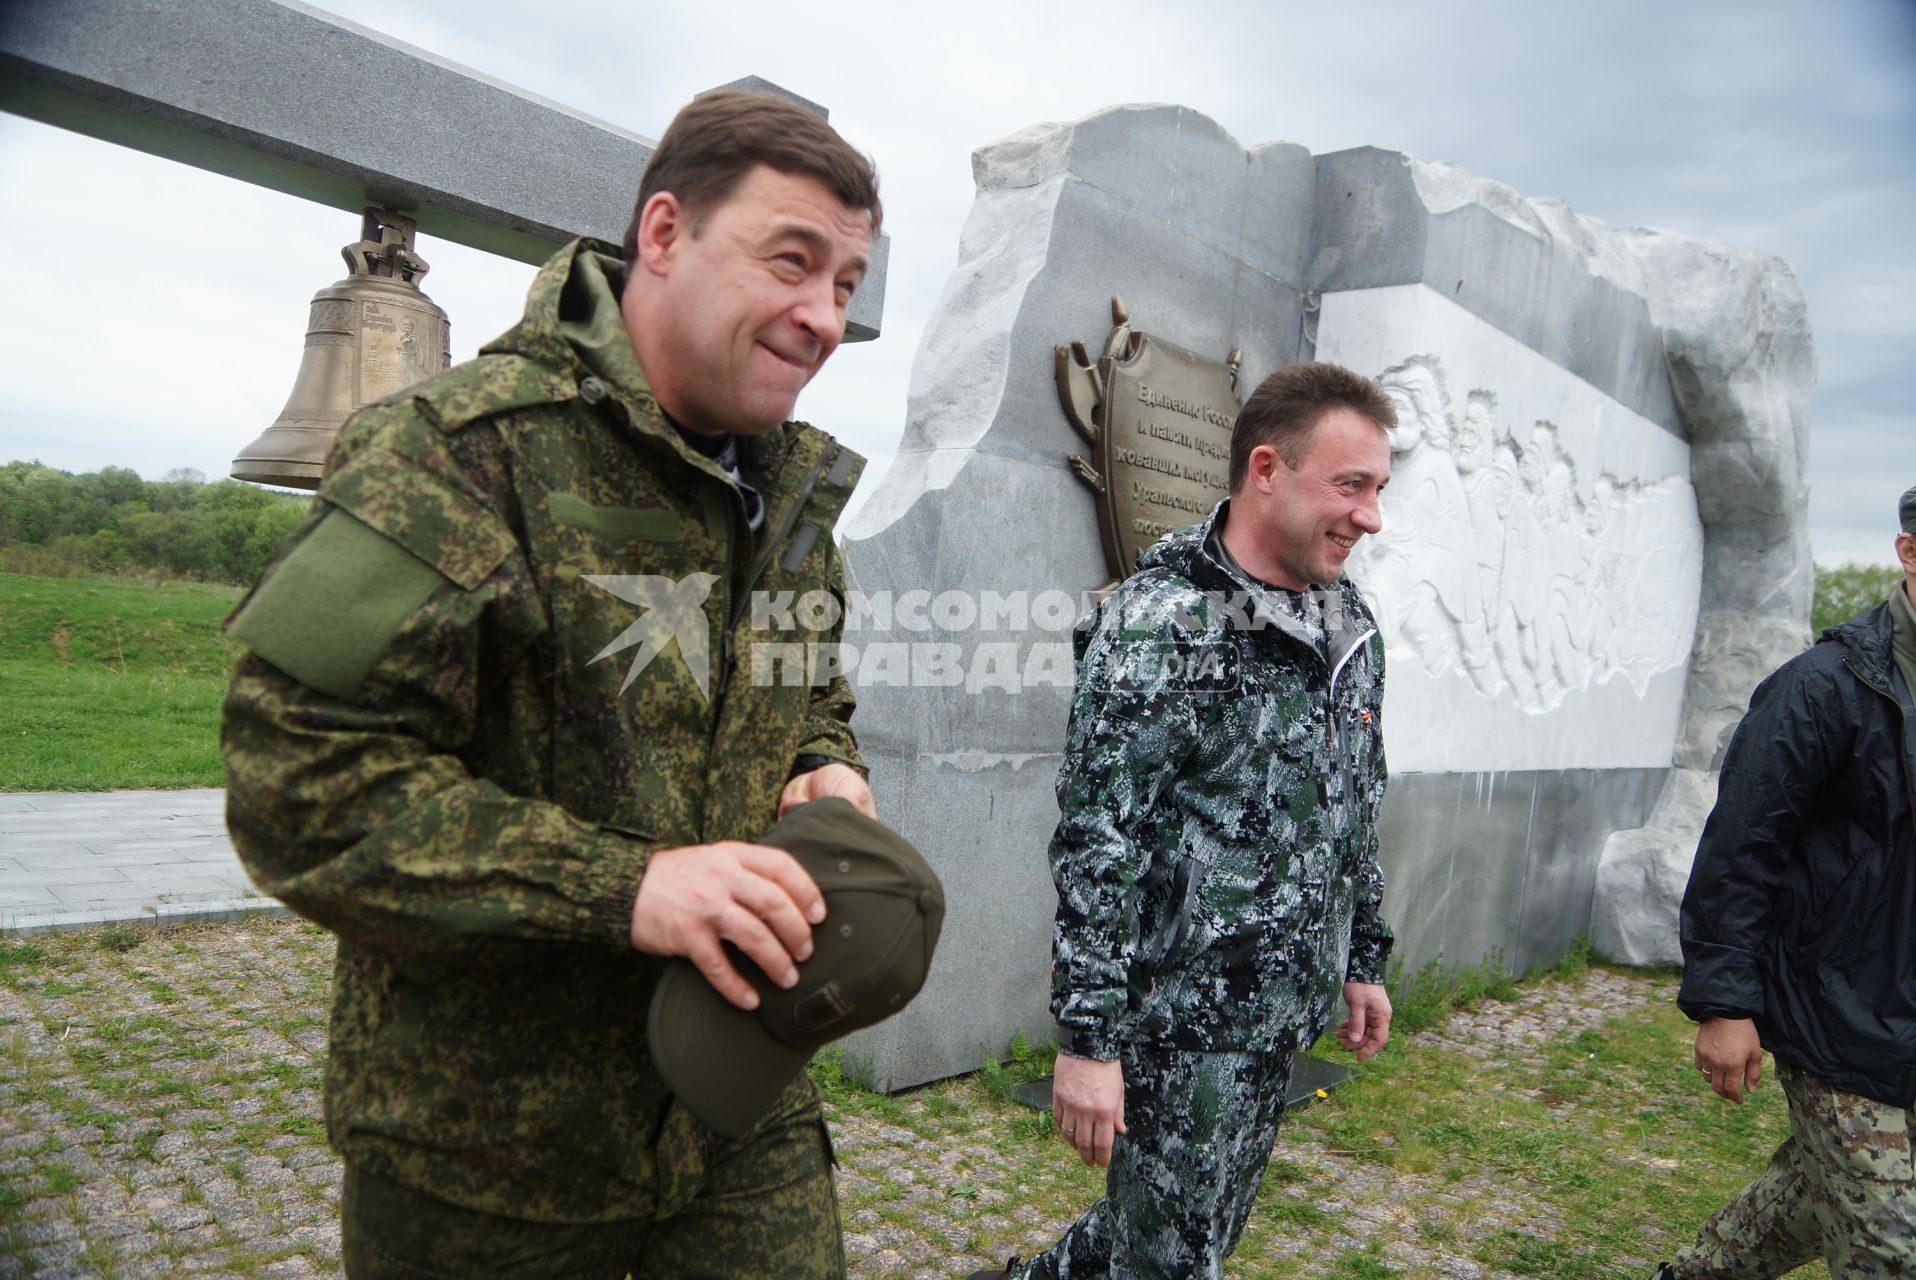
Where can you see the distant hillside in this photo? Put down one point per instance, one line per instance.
(111, 684)
(112, 522)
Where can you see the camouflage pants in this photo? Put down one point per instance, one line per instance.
(767, 1209)
(1183, 1177)
(1840, 1188)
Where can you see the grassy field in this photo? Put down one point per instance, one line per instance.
(110, 682)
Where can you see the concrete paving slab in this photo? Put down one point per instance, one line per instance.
(99, 827)
(71, 860)
(48, 866)
(30, 824)
(206, 851)
(11, 850)
(22, 924)
(160, 850)
(96, 871)
(134, 896)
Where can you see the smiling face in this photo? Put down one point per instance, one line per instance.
(1295, 527)
(732, 313)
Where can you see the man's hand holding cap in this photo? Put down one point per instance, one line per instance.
(883, 911)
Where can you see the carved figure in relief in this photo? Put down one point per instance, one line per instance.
(1566, 622)
(1489, 477)
(1437, 605)
(1498, 560)
(411, 367)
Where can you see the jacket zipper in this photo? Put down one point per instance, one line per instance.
(1343, 761)
(786, 524)
(1909, 775)
(733, 607)
(1345, 660)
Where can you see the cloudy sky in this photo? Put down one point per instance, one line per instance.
(156, 312)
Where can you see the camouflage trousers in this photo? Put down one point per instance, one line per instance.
(1840, 1188)
(768, 1208)
(1199, 1129)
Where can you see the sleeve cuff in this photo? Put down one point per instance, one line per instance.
(1081, 1042)
(812, 758)
(1368, 963)
(608, 883)
(1719, 980)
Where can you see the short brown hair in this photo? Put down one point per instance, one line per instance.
(717, 139)
(1287, 406)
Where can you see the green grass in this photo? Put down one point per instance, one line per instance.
(1434, 992)
(1608, 1129)
(111, 682)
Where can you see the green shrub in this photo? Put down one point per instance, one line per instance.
(1847, 590)
(1427, 997)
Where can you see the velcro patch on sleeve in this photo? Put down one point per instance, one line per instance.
(330, 610)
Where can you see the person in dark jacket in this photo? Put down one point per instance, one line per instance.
(1799, 936)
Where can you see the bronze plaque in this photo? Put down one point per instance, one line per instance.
(1158, 418)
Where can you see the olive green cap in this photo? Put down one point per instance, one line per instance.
(1907, 510)
(870, 956)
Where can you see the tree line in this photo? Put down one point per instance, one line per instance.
(1845, 591)
(111, 521)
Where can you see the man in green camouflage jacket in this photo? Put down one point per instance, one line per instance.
(1216, 860)
(501, 731)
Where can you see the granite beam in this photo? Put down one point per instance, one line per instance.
(286, 96)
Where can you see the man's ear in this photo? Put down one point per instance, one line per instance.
(1906, 551)
(662, 223)
(1262, 464)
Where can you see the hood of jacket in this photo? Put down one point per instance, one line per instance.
(572, 321)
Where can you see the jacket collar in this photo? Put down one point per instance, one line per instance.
(1197, 554)
(1869, 638)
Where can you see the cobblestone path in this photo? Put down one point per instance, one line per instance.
(159, 1116)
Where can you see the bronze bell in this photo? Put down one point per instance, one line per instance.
(368, 336)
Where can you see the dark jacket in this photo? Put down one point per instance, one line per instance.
(1801, 909)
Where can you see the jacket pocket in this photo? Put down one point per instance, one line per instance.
(1180, 906)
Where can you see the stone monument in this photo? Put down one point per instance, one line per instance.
(1593, 549)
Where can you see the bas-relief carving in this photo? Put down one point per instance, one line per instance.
(1497, 560)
